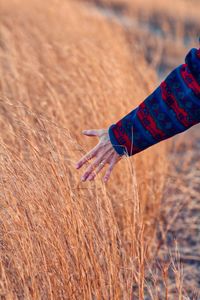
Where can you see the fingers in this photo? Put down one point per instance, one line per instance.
(102, 159)
(87, 157)
(93, 152)
(110, 168)
(103, 152)
(98, 169)
(94, 132)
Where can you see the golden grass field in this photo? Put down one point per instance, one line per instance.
(71, 65)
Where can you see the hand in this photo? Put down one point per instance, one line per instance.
(104, 154)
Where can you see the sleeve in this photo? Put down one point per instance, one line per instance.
(172, 108)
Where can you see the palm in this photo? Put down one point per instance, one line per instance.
(103, 153)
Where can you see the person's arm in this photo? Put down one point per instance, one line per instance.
(172, 108)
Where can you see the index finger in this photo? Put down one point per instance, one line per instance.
(87, 157)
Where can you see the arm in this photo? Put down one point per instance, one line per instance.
(172, 108)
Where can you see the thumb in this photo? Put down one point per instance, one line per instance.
(94, 132)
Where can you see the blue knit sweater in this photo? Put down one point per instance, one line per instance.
(172, 108)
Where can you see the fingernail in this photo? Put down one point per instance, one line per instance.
(90, 177)
(76, 166)
(82, 178)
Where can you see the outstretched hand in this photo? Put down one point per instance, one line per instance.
(103, 152)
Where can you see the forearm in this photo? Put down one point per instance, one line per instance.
(172, 108)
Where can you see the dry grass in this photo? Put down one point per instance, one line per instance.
(64, 69)
(163, 30)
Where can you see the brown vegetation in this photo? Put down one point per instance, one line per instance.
(64, 69)
(163, 30)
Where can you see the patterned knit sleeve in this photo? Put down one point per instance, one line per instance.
(172, 108)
